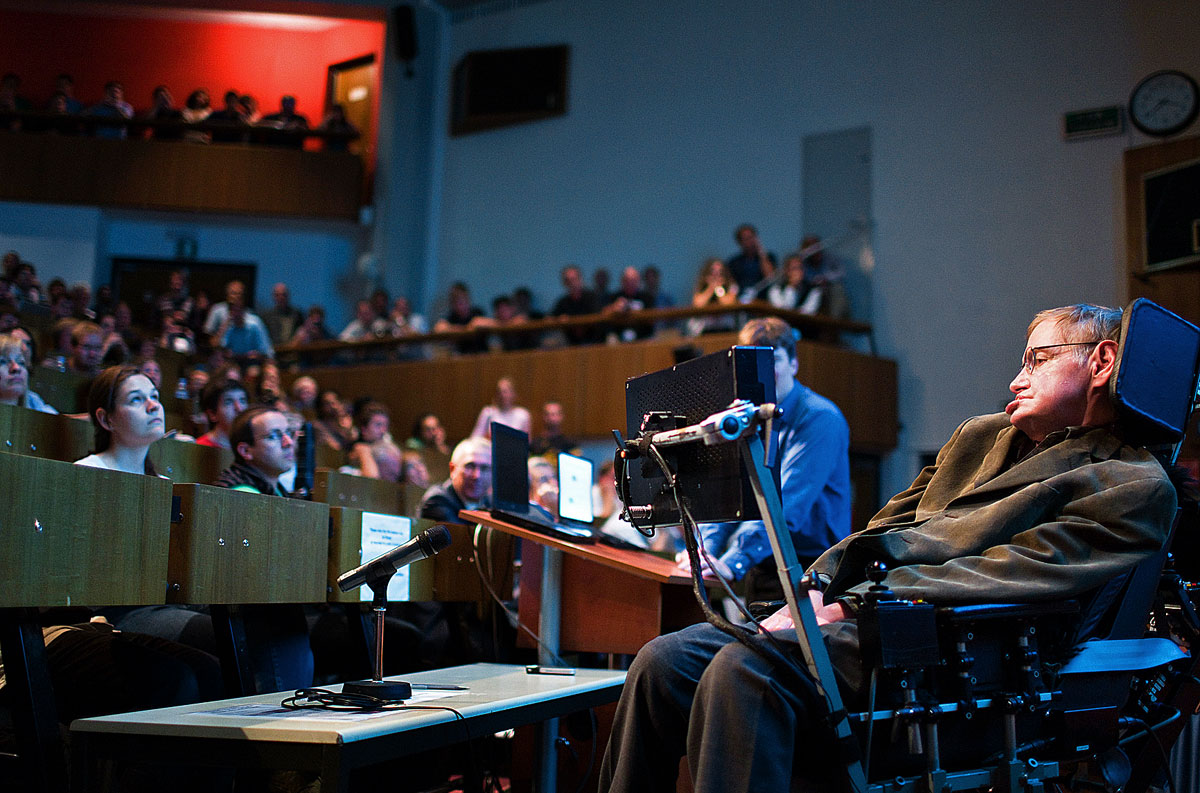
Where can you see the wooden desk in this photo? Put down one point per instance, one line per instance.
(186, 462)
(348, 490)
(69, 536)
(499, 697)
(30, 432)
(233, 547)
(610, 600)
(66, 391)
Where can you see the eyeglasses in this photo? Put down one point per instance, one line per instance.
(1031, 361)
(276, 436)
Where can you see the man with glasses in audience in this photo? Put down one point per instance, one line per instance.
(1043, 502)
(264, 447)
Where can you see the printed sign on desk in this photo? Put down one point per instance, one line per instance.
(380, 534)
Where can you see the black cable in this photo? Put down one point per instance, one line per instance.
(1162, 751)
(737, 632)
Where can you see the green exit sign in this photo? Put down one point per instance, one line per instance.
(1093, 123)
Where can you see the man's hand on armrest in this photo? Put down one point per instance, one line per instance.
(782, 621)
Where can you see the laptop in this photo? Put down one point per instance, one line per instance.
(510, 489)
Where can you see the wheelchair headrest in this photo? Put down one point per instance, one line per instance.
(1158, 362)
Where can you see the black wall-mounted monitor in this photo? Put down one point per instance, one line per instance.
(499, 88)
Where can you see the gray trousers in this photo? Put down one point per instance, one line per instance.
(744, 723)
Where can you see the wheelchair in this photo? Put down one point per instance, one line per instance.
(1086, 695)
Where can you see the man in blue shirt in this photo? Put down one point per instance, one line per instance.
(811, 441)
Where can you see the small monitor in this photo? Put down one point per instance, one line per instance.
(575, 488)
(510, 469)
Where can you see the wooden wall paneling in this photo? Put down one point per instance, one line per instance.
(551, 376)
(180, 176)
(234, 547)
(77, 536)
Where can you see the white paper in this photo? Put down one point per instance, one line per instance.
(380, 534)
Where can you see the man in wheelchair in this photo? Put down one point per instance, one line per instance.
(1044, 503)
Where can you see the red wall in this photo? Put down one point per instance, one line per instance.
(183, 55)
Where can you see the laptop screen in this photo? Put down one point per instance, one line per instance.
(510, 469)
(575, 488)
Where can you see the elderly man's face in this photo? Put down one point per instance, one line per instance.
(472, 475)
(1055, 394)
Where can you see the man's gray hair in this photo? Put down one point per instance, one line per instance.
(468, 448)
(1082, 322)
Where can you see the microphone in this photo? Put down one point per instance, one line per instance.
(423, 546)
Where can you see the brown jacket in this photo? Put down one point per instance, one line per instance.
(980, 525)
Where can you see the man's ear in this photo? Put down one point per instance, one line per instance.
(1103, 363)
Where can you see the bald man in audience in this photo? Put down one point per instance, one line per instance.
(469, 485)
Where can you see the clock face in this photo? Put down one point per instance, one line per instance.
(1164, 103)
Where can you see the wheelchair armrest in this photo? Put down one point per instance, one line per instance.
(1005, 611)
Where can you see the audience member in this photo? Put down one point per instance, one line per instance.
(504, 314)
(552, 440)
(248, 107)
(652, 279)
(196, 109)
(289, 125)
(576, 301)
(282, 318)
(631, 298)
(229, 125)
(304, 396)
(543, 485)
(338, 128)
(96, 670)
(504, 410)
(244, 334)
(365, 325)
(374, 454)
(81, 301)
(176, 335)
(462, 314)
(714, 287)
(469, 485)
(162, 109)
(221, 400)
(176, 298)
(825, 275)
(313, 328)
(26, 290)
(64, 85)
(601, 282)
(428, 433)
(10, 94)
(114, 106)
(264, 448)
(334, 426)
(87, 348)
(405, 321)
(235, 292)
(14, 376)
(793, 293)
(128, 417)
(811, 441)
(151, 369)
(752, 263)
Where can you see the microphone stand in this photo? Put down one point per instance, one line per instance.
(377, 686)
